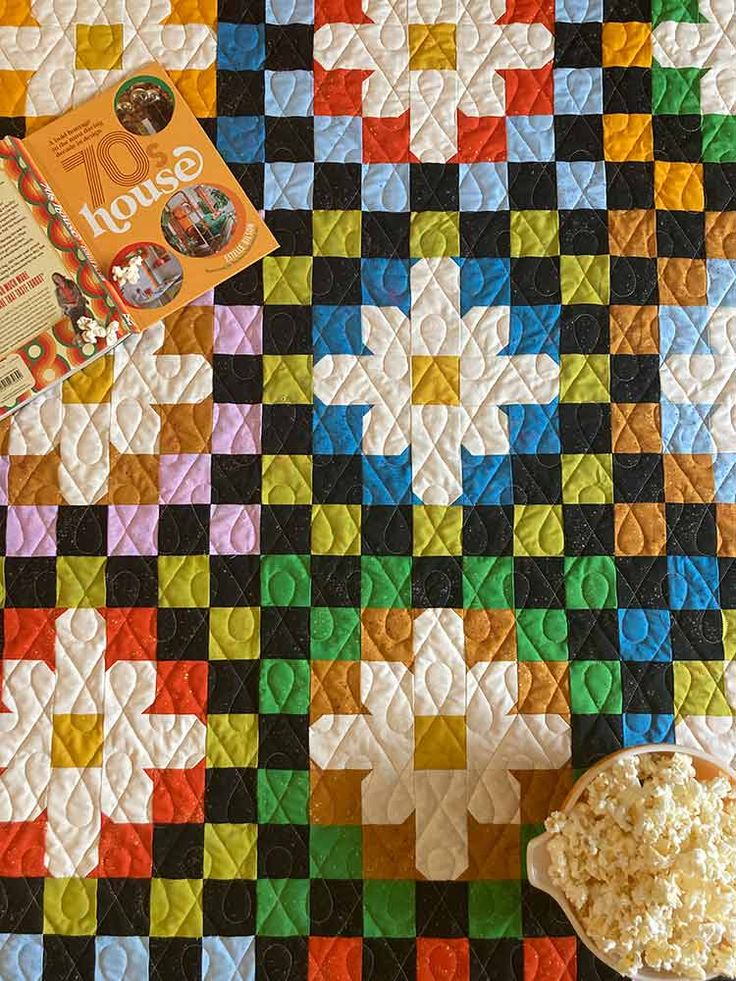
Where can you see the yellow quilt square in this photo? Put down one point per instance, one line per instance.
(77, 741)
(438, 530)
(286, 479)
(336, 529)
(538, 529)
(287, 378)
(99, 47)
(628, 137)
(435, 380)
(432, 46)
(627, 45)
(678, 186)
(585, 378)
(439, 742)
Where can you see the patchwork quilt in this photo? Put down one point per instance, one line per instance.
(317, 596)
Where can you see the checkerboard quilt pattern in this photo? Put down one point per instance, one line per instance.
(317, 597)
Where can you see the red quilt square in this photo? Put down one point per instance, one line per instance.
(335, 958)
(442, 960)
(30, 634)
(178, 795)
(529, 91)
(22, 848)
(181, 689)
(386, 140)
(339, 12)
(480, 138)
(550, 959)
(126, 850)
(131, 634)
(529, 12)
(338, 93)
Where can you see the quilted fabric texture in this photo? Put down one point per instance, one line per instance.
(316, 596)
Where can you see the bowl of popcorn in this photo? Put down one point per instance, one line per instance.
(642, 859)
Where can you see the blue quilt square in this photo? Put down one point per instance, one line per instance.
(289, 12)
(641, 728)
(484, 187)
(644, 635)
(724, 477)
(229, 958)
(385, 283)
(530, 139)
(21, 956)
(581, 184)
(721, 282)
(486, 479)
(288, 185)
(579, 11)
(683, 330)
(338, 139)
(693, 582)
(484, 283)
(242, 139)
(685, 428)
(534, 330)
(337, 428)
(387, 479)
(578, 91)
(534, 428)
(120, 957)
(385, 187)
(337, 330)
(289, 93)
(241, 47)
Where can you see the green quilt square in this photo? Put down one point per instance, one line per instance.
(389, 908)
(494, 909)
(595, 687)
(176, 907)
(534, 233)
(538, 530)
(683, 11)
(287, 279)
(287, 378)
(286, 479)
(285, 580)
(335, 851)
(282, 907)
(337, 233)
(585, 279)
(587, 478)
(80, 581)
(283, 796)
(235, 633)
(230, 851)
(434, 234)
(541, 635)
(585, 378)
(232, 740)
(488, 582)
(284, 686)
(183, 580)
(70, 907)
(385, 581)
(334, 633)
(719, 139)
(676, 91)
(590, 582)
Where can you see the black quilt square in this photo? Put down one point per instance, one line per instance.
(285, 631)
(535, 281)
(293, 230)
(385, 234)
(541, 915)
(677, 138)
(237, 378)
(229, 908)
(282, 957)
(174, 959)
(81, 530)
(178, 851)
(286, 529)
(588, 529)
(233, 687)
(691, 529)
(290, 138)
(635, 378)
(69, 957)
(283, 851)
(123, 907)
(238, 12)
(245, 287)
(592, 635)
(697, 635)
(537, 478)
(719, 182)
(627, 90)
(437, 581)
(642, 582)
(336, 580)
(585, 427)
(624, 11)
(236, 478)
(337, 479)
(336, 280)
(584, 329)
(578, 45)
(578, 137)
(240, 93)
(182, 634)
(386, 529)
(630, 185)
(595, 736)
(496, 960)
(230, 795)
(289, 47)
(583, 231)
(633, 280)
(727, 576)
(532, 186)
(434, 187)
(287, 429)
(337, 187)
(442, 909)
(183, 529)
(485, 233)
(131, 580)
(336, 907)
(488, 530)
(235, 580)
(30, 582)
(283, 742)
(21, 905)
(539, 583)
(681, 233)
(647, 686)
(389, 960)
(12, 126)
(638, 477)
(250, 178)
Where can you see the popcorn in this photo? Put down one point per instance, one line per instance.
(129, 273)
(91, 330)
(647, 859)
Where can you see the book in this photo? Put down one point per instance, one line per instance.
(112, 216)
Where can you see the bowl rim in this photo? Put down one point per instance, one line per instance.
(537, 857)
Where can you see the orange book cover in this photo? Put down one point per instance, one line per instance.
(125, 212)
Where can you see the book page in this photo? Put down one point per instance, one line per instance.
(139, 179)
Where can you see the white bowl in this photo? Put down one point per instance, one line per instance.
(537, 856)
